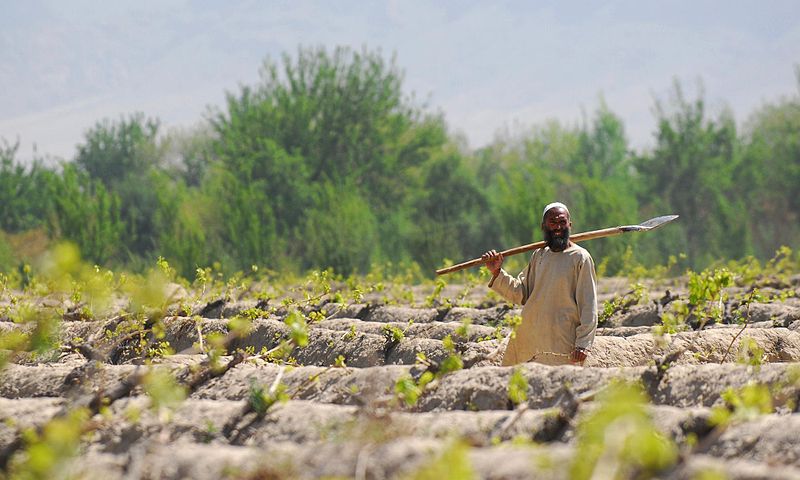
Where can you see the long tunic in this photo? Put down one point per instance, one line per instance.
(559, 296)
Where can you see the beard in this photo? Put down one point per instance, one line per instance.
(557, 243)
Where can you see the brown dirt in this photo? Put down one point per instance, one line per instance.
(349, 422)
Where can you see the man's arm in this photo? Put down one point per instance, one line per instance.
(586, 295)
(513, 289)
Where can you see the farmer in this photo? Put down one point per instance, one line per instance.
(558, 291)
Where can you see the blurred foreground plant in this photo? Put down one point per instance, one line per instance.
(48, 452)
(452, 463)
(618, 439)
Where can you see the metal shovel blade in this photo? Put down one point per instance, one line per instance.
(658, 221)
(649, 224)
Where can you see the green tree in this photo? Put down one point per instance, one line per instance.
(604, 147)
(21, 192)
(243, 224)
(770, 177)
(85, 212)
(122, 155)
(451, 213)
(522, 180)
(319, 119)
(187, 153)
(690, 172)
(601, 190)
(340, 231)
(182, 222)
(114, 150)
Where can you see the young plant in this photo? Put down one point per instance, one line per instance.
(707, 295)
(674, 321)
(518, 387)
(48, 452)
(463, 330)
(512, 322)
(261, 400)
(408, 391)
(394, 335)
(433, 299)
(621, 304)
(618, 439)
(750, 353)
(453, 361)
(165, 393)
(746, 403)
(452, 463)
(298, 328)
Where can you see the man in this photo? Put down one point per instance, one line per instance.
(558, 291)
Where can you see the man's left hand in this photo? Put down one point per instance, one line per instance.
(578, 356)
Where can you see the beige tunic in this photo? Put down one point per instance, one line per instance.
(559, 294)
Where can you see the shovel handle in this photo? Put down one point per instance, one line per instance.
(606, 232)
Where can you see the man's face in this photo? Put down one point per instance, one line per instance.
(556, 227)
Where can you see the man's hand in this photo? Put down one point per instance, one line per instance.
(494, 261)
(578, 356)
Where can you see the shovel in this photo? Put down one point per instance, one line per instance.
(651, 224)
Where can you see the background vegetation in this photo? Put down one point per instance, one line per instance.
(328, 162)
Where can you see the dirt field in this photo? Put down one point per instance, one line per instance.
(377, 392)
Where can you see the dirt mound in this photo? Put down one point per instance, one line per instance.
(240, 387)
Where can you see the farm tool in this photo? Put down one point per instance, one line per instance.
(651, 224)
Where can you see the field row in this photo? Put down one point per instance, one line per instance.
(477, 388)
(223, 438)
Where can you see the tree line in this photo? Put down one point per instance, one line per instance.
(328, 162)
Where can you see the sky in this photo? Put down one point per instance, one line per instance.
(488, 66)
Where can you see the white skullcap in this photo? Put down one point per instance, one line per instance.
(554, 205)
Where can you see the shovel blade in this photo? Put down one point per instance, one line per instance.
(657, 222)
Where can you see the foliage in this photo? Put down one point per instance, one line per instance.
(64, 275)
(393, 334)
(750, 353)
(453, 360)
(47, 454)
(433, 299)
(518, 387)
(621, 303)
(699, 155)
(746, 403)
(327, 161)
(619, 438)
(341, 231)
(707, 295)
(451, 464)
(113, 150)
(165, 394)
(512, 322)
(122, 155)
(673, 321)
(298, 328)
(771, 172)
(408, 390)
(334, 147)
(86, 213)
(261, 400)
(21, 191)
(450, 213)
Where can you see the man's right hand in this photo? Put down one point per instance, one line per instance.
(494, 261)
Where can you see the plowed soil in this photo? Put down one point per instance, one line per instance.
(342, 416)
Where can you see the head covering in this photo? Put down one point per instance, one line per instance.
(554, 205)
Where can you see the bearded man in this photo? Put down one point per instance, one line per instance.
(558, 291)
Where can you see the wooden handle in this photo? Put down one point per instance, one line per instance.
(606, 232)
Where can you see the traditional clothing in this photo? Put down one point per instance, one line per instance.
(559, 294)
